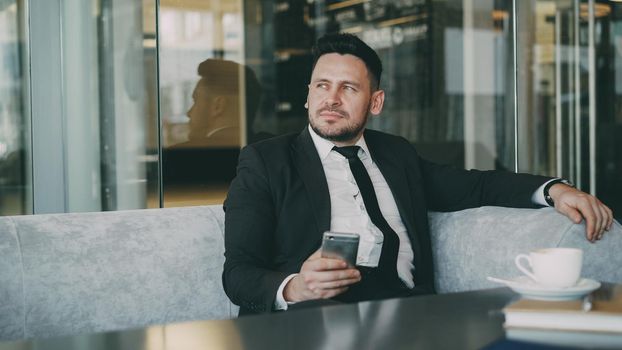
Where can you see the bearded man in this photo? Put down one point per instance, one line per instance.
(336, 175)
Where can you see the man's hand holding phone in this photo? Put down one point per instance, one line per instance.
(321, 278)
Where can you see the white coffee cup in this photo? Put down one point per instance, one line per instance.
(553, 267)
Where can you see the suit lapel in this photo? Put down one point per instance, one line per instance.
(394, 172)
(311, 171)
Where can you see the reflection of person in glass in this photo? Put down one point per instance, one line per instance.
(215, 114)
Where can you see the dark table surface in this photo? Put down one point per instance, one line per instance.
(468, 320)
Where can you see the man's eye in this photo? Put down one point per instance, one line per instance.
(322, 86)
(349, 88)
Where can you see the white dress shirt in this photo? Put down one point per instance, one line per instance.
(348, 213)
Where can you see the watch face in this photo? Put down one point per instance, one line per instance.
(549, 200)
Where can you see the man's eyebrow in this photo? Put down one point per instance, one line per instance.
(339, 82)
(320, 80)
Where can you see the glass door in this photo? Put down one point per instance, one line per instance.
(570, 123)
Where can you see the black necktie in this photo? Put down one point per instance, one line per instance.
(388, 255)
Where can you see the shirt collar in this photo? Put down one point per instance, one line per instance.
(324, 146)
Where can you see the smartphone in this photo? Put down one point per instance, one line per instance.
(340, 245)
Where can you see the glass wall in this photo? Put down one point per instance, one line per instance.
(94, 127)
(202, 98)
(447, 75)
(450, 69)
(570, 124)
(15, 175)
(109, 112)
(446, 66)
(152, 104)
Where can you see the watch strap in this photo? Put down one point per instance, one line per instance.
(547, 196)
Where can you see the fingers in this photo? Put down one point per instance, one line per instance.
(602, 218)
(607, 218)
(323, 264)
(572, 213)
(578, 205)
(598, 219)
(338, 284)
(318, 279)
(326, 284)
(321, 278)
(325, 293)
(331, 288)
(591, 215)
(328, 279)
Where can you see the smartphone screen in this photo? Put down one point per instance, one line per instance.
(341, 245)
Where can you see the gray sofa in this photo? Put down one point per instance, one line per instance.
(76, 273)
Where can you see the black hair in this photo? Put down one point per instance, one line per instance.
(344, 43)
(222, 77)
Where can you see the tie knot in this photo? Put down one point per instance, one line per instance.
(349, 152)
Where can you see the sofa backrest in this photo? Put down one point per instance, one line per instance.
(86, 272)
(90, 272)
(472, 244)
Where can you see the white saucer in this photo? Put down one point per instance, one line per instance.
(529, 289)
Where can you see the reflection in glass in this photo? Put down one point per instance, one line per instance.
(208, 152)
(447, 70)
(214, 117)
(15, 177)
(233, 72)
(208, 99)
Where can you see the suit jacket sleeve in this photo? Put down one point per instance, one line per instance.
(448, 188)
(250, 221)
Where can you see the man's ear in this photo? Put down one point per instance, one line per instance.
(218, 105)
(307, 101)
(377, 101)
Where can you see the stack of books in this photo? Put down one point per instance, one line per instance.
(595, 320)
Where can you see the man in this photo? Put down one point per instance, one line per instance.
(213, 130)
(291, 189)
(215, 111)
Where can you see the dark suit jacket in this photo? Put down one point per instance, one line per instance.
(278, 207)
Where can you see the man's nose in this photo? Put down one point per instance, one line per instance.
(333, 98)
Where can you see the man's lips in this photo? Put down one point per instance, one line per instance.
(332, 114)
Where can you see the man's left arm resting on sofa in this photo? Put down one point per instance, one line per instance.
(578, 206)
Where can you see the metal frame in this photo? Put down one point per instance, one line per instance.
(46, 102)
(592, 96)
